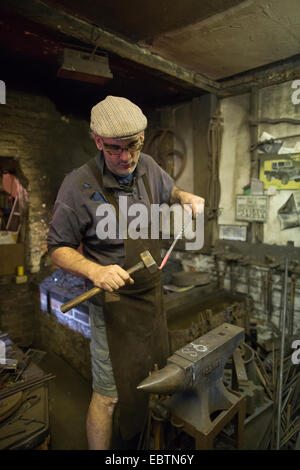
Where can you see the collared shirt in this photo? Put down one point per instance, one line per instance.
(75, 220)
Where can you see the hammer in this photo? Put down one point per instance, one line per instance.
(147, 262)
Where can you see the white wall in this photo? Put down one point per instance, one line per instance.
(274, 102)
(234, 171)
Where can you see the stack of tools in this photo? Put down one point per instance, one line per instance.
(24, 421)
(290, 401)
(264, 375)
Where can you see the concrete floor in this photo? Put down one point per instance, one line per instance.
(69, 396)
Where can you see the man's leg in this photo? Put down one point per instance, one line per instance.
(99, 421)
(104, 397)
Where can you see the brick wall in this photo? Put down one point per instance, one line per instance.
(17, 311)
(47, 145)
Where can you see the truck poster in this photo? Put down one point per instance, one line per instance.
(282, 171)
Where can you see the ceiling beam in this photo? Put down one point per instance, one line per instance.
(272, 74)
(72, 27)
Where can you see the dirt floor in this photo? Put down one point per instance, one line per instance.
(69, 396)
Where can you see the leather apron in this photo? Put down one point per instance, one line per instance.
(136, 326)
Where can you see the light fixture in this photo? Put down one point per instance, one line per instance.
(84, 66)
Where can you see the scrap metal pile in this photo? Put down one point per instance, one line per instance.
(24, 420)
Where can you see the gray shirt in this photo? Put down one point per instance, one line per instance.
(74, 219)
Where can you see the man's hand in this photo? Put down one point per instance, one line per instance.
(196, 202)
(110, 277)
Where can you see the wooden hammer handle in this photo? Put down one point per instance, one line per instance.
(94, 291)
(81, 298)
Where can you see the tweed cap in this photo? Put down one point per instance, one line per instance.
(117, 118)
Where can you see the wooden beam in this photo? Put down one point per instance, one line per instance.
(202, 110)
(72, 27)
(273, 74)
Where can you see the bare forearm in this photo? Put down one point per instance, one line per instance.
(109, 277)
(175, 195)
(74, 262)
(183, 197)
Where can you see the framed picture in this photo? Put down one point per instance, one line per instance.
(282, 171)
(233, 232)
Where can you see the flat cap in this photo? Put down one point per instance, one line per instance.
(117, 118)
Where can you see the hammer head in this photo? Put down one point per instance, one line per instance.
(149, 261)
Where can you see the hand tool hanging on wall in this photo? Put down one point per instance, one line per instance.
(214, 140)
(160, 143)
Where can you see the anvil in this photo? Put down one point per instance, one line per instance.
(193, 375)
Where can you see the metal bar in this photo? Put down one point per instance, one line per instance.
(24, 386)
(283, 321)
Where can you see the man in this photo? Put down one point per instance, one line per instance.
(128, 325)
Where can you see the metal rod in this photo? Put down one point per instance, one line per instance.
(179, 234)
(283, 321)
(32, 383)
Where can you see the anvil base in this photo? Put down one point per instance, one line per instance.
(185, 413)
(196, 406)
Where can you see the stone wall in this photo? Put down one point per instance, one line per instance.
(47, 145)
(17, 311)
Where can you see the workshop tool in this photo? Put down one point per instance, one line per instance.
(24, 364)
(31, 383)
(147, 262)
(8, 364)
(179, 234)
(282, 328)
(190, 278)
(194, 375)
(292, 305)
(10, 405)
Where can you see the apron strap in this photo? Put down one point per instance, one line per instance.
(92, 164)
(147, 186)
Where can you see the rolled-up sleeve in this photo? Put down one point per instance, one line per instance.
(68, 221)
(167, 184)
(160, 181)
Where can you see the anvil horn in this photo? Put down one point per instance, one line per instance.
(169, 379)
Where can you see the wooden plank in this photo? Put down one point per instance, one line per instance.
(263, 77)
(72, 27)
(239, 367)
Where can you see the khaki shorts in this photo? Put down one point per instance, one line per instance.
(103, 378)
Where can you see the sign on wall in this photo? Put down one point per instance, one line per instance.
(251, 208)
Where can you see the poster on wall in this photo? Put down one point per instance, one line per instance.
(251, 208)
(282, 171)
(233, 232)
(289, 213)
